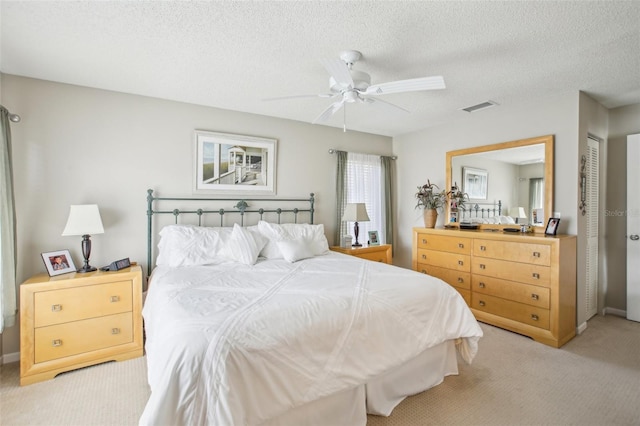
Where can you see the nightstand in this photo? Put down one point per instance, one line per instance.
(75, 320)
(381, 253)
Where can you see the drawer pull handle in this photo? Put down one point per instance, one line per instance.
(534, 317)
(481, 303)
(56, 342)
(115, 299)
(424, 241)
(460, 280)
(424, 256)
(536, 254)
(483, 248)
(481, 285)
(115, 331)
(536, 275)
(483, 266)
(535, 296)
(56, 308)
(460, 262)
(460, 245)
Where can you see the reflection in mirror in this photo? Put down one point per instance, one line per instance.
(512, 180)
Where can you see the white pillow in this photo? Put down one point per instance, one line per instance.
(294, 250)
(243, 246)
(187, 245)
(313, 234)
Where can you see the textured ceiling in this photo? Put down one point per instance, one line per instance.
(232, 55)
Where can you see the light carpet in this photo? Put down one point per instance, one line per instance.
(592, 380)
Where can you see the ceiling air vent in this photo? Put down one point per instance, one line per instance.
(478, 107)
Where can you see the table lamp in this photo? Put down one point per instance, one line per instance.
(355, 212)
(517, 213)
(84, 220)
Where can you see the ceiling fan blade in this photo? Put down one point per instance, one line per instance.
(331, 109)
(339, 71)
(384, 103)
(415, 84)
(321, 95)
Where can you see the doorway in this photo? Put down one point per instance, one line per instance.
(633, 228)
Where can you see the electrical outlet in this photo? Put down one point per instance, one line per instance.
(556, 215)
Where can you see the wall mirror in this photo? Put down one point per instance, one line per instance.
(511, 179)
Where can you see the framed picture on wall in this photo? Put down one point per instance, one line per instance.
(233, 164)
(58, 262)
(475, 183)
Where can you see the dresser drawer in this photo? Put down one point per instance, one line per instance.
(443, 259)
(466, 295)
(458, 279)
(511, 290)
(72, 304)
(520, 312)
(444, 243)
(536, 254)
(520, 272)
(62, 340)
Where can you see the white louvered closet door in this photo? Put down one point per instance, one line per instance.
(593, 187)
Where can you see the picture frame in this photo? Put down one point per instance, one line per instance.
(475, 183)
(552, 226)
(232, 164)
(374, 239)
(58, 262)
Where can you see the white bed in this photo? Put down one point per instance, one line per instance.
(263, 325)
(297, 336)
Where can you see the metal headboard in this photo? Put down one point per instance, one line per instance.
(481, 210)
(241, 208)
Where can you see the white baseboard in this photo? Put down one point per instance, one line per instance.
(616, 312)
(9, 358)
(581, 328)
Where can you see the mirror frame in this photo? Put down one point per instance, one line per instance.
(548, 142)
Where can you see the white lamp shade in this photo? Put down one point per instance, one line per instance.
(355, 212)
(83, 220)
(517, 212)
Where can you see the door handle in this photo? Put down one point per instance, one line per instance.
(634, 237)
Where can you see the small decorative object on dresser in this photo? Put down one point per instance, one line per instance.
(80, 320)
(58, 262)
(552, 226)
(374, 240)
(430, 199)
(379, 253)
(525, 283)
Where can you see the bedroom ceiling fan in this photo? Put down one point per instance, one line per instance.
(349, 86)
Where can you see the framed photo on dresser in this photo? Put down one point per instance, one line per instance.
(58, 262)
(552, 226)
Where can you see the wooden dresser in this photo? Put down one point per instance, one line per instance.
(525, 283)
(75, 320)
(381, 253)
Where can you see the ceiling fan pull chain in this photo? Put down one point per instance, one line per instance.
(344, 120)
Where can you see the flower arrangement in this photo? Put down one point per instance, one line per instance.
(430, 197)
(456, 197)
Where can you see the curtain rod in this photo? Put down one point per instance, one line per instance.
(393, 157)
(14, 118)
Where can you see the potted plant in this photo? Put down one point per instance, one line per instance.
(430, 199)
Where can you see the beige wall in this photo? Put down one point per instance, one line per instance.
(79, 145)
(623, 121)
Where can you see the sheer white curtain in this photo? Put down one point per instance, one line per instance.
(7, 228)
(363, 183)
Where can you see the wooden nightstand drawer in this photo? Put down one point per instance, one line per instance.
(376, 257)
(537, 254)
(526, 314)
(72, 304)
(459, 262)
(381, 253)
(62, 340)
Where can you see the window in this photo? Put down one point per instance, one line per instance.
(364, 185)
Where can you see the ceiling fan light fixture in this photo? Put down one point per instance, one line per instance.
(480, 106)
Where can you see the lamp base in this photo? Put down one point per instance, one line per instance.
(86, 269)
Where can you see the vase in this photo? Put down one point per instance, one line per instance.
(430, 218)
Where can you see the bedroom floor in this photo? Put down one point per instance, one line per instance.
(592, 380)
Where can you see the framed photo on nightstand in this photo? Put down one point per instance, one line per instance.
(58, 262)
(374, 240)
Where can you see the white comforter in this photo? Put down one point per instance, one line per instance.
(230, 344)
